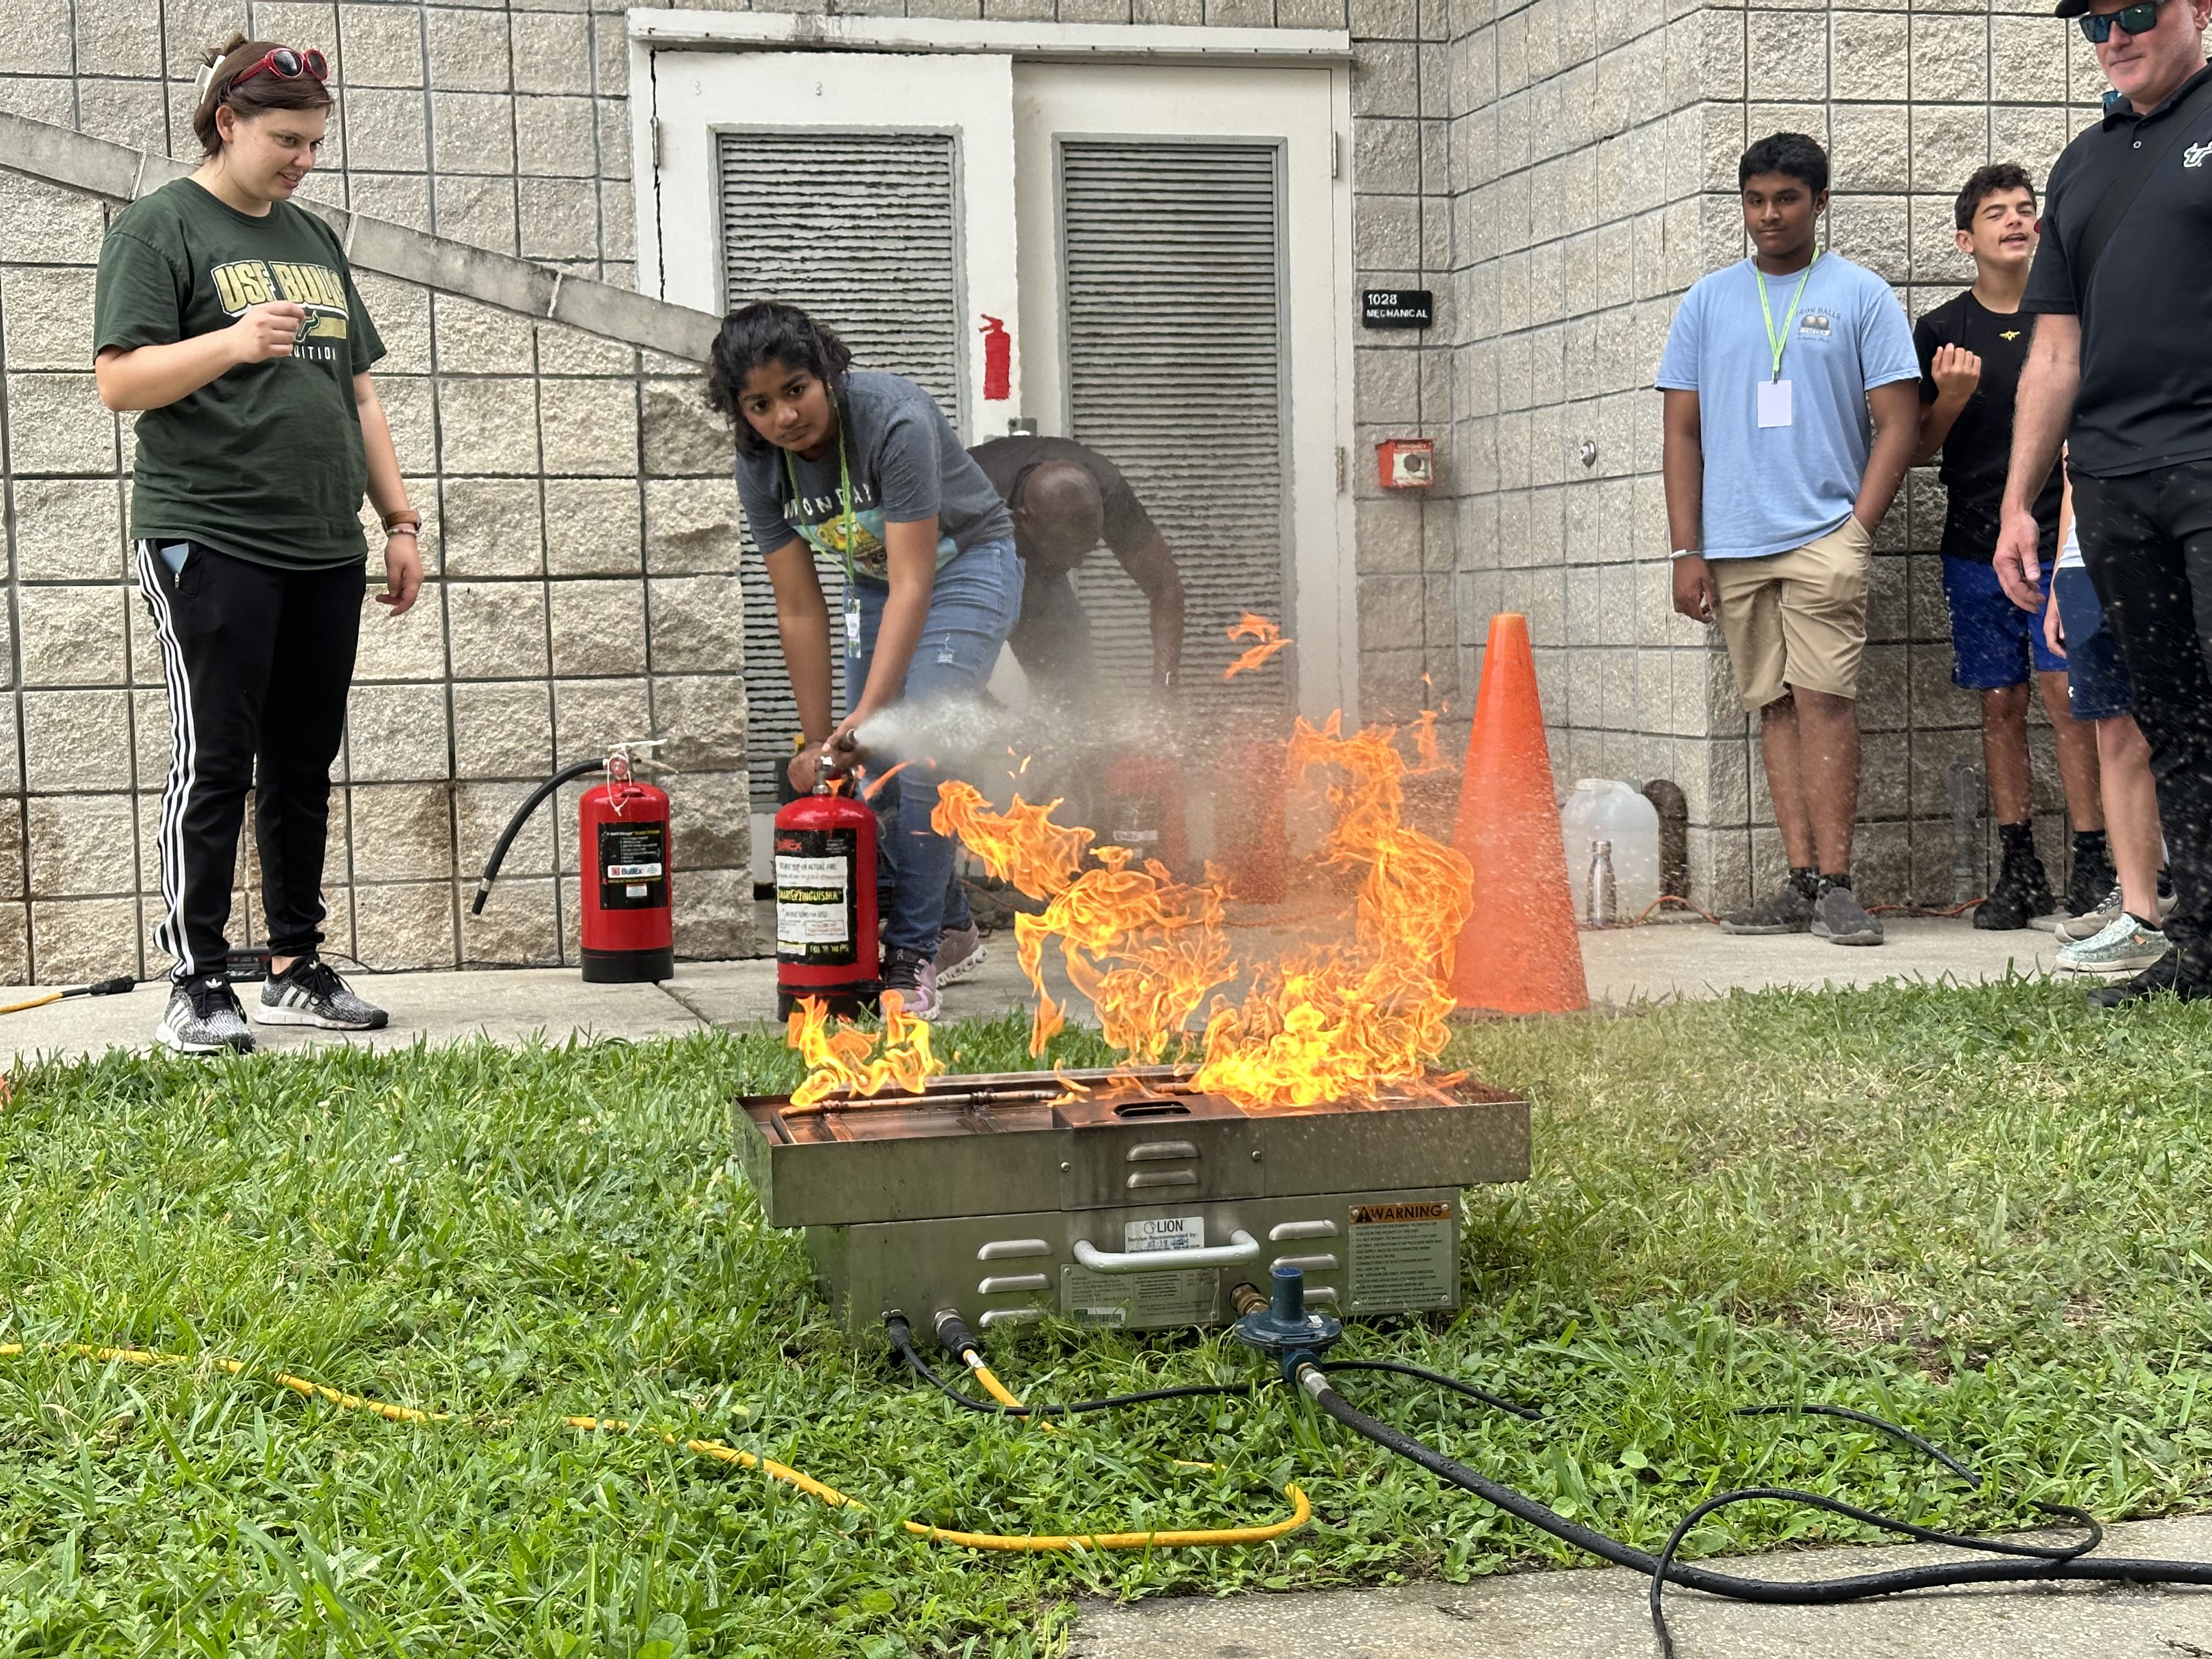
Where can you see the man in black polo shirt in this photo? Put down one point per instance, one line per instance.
(2120, 369)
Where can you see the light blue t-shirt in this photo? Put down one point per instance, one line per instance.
(1772, 488)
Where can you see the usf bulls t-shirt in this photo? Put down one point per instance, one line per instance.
(265, 461)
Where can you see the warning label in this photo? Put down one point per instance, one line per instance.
(1403, 1256)
(633, 867)
(1186, 1298)
(816, 912)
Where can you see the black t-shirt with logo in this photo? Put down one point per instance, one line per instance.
(265, 461)
(2147, 320)
(1007, 462)
(1978, 449)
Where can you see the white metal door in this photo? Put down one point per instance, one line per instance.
(1181, 265)
(806, 177)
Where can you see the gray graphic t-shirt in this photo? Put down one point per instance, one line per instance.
(906, 462)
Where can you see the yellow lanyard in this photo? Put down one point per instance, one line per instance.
(1777, 338)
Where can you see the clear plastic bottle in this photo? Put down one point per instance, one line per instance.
(1608, 810)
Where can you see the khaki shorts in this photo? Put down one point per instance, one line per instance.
(1797, 618)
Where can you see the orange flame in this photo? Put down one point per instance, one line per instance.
(1250, 627)
(1144, 947)
(1323, 1024)
(863, 1062)
(1352, 1018)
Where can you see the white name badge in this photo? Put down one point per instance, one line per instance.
(1774, 403)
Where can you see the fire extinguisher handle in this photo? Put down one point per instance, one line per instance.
(566, 775)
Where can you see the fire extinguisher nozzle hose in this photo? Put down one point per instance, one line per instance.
(566, 775)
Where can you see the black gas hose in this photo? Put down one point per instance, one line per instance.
(2042, 1563)
(566, 775)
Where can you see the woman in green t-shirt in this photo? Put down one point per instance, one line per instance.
(227, 318)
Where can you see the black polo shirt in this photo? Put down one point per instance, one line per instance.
(2146, 331)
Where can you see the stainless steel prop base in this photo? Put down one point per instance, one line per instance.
(1135, 1203)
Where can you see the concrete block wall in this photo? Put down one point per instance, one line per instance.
(1594, 173)
(581, 550)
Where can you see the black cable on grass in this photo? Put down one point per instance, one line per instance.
(2018, 1563)
(1927, 1447)
(2051, 1552)
(1527, 1413)
(902, 1339)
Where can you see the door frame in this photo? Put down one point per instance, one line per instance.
(1329, 674)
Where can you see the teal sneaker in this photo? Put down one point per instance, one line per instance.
(2123, 945)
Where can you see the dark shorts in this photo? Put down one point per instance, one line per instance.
(2097, 683)
(1993, 640)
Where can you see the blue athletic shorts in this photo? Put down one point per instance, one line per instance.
(2097, 683)
(1993, 640)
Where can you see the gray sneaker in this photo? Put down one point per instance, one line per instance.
(960, 952)
(309, 993)
(203, 1018)
(2090, 923)
(1788, 911)
(2125, 946)
(1840, 919)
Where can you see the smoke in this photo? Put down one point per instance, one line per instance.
(983, 741)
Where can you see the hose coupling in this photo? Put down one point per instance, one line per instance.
(1246, 1298)
(955, 1337)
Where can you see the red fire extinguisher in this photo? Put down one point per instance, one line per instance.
(825, 903)
(626, 856)
(1144, 809)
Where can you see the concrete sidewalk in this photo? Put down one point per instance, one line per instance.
(1601, 1615)
(1624, 966)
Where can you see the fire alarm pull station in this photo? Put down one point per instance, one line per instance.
(1407, 462)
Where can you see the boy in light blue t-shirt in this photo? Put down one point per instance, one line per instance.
(1776, 479)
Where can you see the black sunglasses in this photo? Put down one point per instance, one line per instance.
(2138, 19)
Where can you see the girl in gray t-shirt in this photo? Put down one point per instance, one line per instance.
(863, 467)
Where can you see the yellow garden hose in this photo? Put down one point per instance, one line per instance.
(1301, 1510)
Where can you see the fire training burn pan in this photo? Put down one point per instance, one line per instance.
(1012, 1196)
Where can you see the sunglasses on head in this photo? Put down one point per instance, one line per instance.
(289, 65)
(2138, 19)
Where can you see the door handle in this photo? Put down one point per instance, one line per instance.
(1241, 1249)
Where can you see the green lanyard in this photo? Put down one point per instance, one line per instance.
(844, 493)
(1777, 338)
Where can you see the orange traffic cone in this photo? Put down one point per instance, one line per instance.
(1519, 952)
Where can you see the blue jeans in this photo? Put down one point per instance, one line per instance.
(972, 606)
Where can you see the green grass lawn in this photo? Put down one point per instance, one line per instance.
(1975, 1211)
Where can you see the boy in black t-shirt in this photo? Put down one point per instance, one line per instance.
(1972, 351)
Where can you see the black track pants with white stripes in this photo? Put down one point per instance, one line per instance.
(258, 662)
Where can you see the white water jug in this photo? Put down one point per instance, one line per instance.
(1606, 809)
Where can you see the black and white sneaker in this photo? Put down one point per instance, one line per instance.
(309, 993)
(203, 1018)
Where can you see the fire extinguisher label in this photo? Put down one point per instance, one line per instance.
(633, 867)
(816, 907)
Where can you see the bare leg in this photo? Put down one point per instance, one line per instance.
(1785, 779)
(2004, 751)
(2077, 755)
(2131, 808)
(1828, 755)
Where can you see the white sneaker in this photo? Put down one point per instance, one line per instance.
(2090, 923)
(2125, 946)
